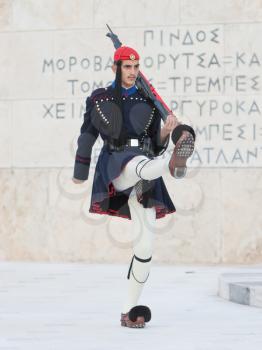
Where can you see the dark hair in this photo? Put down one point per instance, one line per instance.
(118, 84)
(118, 97)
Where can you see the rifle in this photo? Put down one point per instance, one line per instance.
(143, 84)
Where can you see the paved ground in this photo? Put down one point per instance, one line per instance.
(77, 306)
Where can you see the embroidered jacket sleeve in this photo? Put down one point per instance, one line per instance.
(85, 142)
(155, 130)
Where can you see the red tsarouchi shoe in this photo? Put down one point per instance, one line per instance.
(184, 148)
(136, 317)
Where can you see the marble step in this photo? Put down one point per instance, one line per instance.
(241, 288)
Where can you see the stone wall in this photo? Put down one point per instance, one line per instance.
(204, 57)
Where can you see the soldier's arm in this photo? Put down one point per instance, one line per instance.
(77, 181)
(85, 142)
(171, 123)
(159, 137)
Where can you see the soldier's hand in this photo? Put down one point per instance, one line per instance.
(77, 181)
(170, 124)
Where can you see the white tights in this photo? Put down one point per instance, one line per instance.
(143, 220)
(141, 167)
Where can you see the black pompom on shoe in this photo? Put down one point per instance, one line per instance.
(177, 132)
(140, 310)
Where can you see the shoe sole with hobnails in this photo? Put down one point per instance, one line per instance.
(183, 150)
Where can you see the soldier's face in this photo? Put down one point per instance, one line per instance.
(129, 72)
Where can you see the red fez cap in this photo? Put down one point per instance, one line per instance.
(125, 53)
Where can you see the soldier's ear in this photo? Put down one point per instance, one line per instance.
(114, 68)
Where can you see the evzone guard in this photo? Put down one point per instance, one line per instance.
(128, 179)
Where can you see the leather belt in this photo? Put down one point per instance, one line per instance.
(146, 145)
(129, 142)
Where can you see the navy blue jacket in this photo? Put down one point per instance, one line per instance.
(140, 120)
